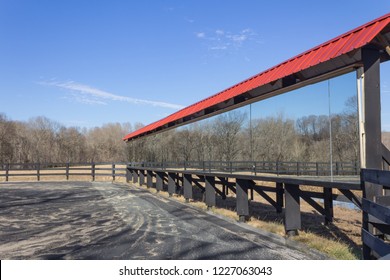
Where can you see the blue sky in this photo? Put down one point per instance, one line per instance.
(86, 63)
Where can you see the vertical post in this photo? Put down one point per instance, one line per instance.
(141, 177)
(370, 111)
(113, 172)
(210, 191)
(67, 170)
(370, 126)
(135, 176)
(298, 169)
(93, 171)
(134, 172)
(171, 183)
(328, 205)
(227, 187)
(317, 171)
(38, 171)
(128, 174)
(292, 220)
(187, 184)
(159, 181)
(149, 178)
(279, 197)
(6, 172)
(242, 187)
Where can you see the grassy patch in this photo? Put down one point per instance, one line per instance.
(333, 248)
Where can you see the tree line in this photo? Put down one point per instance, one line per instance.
(227, 137)
(46, 141)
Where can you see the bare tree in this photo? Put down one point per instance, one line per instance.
(226, 129)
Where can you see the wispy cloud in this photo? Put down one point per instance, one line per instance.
(89, 95)
(223, 40)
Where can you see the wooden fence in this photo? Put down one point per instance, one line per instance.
(257, 167)
(376, 217)
(287, 193)
(64, 170)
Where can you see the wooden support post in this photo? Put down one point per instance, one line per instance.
(328, 205)
(242, 187)
(292, 220)
(149, 178)
(159, 181)
(224, 191)
(187, 184)
(171, 183)
(93, 171)
(279, 197)
(135, 176)
(113, 171)
(226, 187)
(370, 127)
(210, 191)
(6, 172)
(38, 166)
(67, 170)
(141, 177)
(133, 172)
(128, 175)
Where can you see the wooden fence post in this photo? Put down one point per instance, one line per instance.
(210, 191)
(6, 172)
(149, 179)
(292, 220)
(159, 181)
(242, 202)
(328, 205)
(113, 172)
(67, 171)
(93, 171)
(135, 176)
(187, 184)
(141, 177)
(279, 197)
(38, 171)
(128, 174)
(171, 183)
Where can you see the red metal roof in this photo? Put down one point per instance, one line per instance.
(336, 47)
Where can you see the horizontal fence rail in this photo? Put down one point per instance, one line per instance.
(256, 167)
(38, 170)
(376, 216)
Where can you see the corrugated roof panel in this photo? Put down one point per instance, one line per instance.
(331, 49)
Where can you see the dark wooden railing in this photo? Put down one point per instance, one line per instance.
(65, 170)
(287, 192)
(257, 167)
(376, 216)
